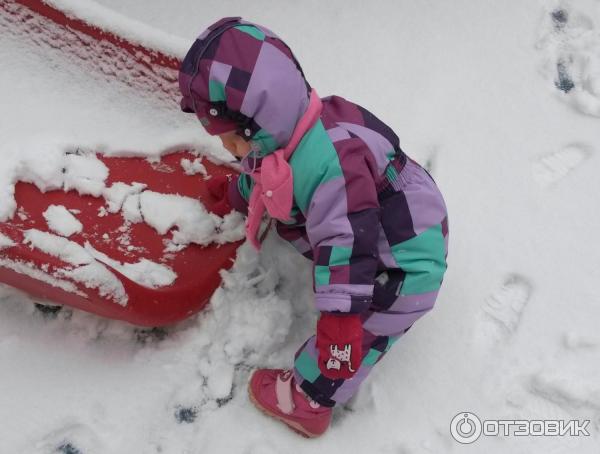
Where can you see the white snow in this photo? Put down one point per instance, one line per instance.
(135, 31)
(86, 270)
(31, 270)
(66, 250)
(116, 195)
(193, 223)
(470, 89)
(131, 209)
(85, 174)
(60, 220)
(165, 211)
(96, 276)
(145, 272)
(193, 167)
(5, 242)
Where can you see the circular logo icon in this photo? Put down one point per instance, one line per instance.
(465, 428)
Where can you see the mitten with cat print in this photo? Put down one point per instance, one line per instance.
(339, 343)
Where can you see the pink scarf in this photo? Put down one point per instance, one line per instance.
(273, 182)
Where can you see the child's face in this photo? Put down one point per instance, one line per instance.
(235, 144)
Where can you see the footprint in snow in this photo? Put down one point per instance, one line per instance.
(503, 309)
(563, 80)
(578, 341)
(72, 439)
(569, 43)
(566, 392)
(553, 167)
(147, 336)
(186, 415)
(537, 399)
(560, 17)
(363, 402)
(68, 448)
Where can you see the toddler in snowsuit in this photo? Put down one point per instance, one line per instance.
(334, 179)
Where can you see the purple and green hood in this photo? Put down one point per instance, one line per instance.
(241, 76)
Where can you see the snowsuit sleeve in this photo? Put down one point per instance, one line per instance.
(342, 227)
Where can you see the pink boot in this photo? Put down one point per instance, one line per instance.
(275, 392)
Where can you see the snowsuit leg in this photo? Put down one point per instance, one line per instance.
(413, 248)
(381, 329)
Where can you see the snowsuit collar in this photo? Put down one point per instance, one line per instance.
(274, 184)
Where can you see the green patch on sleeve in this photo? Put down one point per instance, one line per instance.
(374, 355)
(423, 260)
(252, 31)
(322, 275)
(340, 255)
(371, 357)
(216, 91)
(314, 162)
(307, 367)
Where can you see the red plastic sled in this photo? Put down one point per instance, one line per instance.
(197, 267)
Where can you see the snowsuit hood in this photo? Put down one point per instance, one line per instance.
(241, 76)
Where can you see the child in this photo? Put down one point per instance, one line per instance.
(340, 189)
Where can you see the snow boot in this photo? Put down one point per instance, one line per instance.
(275, 392)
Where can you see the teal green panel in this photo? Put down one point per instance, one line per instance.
(245, 185)
(423, 260)
(371, 357)
(391, 341)
(391, 154)
(307, 367)
(391, 173)
(216, 91)
(252, 31)
(322, 275)
(422, 282)
(340, 255)
(266, 142)
(314, 162)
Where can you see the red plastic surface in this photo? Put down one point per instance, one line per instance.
(197, 267)
(148, 56)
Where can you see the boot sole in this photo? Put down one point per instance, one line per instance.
(296, 427)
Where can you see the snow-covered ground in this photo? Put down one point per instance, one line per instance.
(501, 100)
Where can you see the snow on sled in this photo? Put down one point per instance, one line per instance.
(124, 238)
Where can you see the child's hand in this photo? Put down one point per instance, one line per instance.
(218, 187)
(339, 343)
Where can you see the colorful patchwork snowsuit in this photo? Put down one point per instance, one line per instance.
(370, 218)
